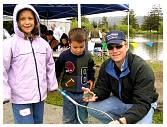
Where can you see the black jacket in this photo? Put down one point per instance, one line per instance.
(136, 82)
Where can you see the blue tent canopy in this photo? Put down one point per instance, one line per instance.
(88, 9)
(56, 11)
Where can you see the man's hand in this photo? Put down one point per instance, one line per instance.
(89, 96)
(114, 122)
(120, 121)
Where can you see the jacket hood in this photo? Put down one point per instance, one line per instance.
(16, 10)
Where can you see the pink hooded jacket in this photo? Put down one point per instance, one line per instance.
(23, 80)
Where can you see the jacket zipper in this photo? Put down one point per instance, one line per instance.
(36, 68)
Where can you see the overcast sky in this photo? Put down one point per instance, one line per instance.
(142, 7)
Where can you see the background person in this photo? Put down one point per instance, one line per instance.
(95, 39)
(104, 45)
(28, 67)
(52, 41)
(125, 85)
(43, 31)
(76, 66)
(64, 41)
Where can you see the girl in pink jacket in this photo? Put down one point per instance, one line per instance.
(28, 67)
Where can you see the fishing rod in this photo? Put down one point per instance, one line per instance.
(83, 106)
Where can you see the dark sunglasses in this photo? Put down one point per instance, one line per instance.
(111, 46)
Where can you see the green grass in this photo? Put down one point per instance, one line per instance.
(55, 98)
(157, 66)
(158, 117)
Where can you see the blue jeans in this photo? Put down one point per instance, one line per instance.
(115, 108)
(69, 110)
(28, 113)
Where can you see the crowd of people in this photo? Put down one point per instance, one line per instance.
(124, 87)
(57, 42)
(60, 41)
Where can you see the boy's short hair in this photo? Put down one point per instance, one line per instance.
(77, 34)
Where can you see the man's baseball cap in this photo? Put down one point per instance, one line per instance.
(115, 37)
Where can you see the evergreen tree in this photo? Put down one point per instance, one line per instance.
(132, 20)
(152, 21)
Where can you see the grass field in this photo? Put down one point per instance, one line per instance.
(55, 98)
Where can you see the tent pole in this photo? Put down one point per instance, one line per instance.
(79, 15)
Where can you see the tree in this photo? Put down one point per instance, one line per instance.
(161, 28)
(74, 23)
(147, 25)
(104, 22)
(114, 26)
(132, 20)
(94, 23)
(152, 21)
(84, 24)
(124, 28)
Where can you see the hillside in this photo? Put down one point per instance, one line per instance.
(115, 20)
